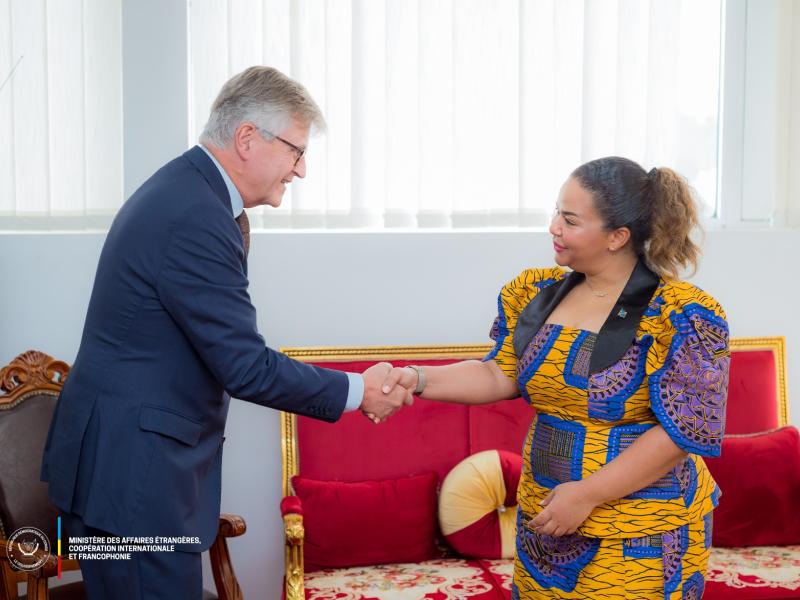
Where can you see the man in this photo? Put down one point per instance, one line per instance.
(135, 447)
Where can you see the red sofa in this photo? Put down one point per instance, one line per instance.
(366, 525)
(756, 541)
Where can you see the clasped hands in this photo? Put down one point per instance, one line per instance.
(386, 390)
(567, 506)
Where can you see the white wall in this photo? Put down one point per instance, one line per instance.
(327, 288)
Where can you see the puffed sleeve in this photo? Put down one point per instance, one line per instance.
(513, 298)
(688, 392)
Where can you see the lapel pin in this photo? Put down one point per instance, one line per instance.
(622, 313)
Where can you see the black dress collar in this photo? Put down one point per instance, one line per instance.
(617, 333)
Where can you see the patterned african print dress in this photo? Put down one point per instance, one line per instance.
(661, 358)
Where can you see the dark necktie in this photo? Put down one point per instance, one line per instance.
(244, 226)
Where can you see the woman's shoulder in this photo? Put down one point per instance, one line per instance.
(684, 297)
(681, 315)
(517, 293)
(538, 278)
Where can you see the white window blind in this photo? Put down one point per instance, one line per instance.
(60, 112)
(471, 112)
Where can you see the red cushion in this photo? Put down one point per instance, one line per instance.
(473, 504)
(368, 522)
(759, 475)
(499, 425)
(354, 449)
(752, 392)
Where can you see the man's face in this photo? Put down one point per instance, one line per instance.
(271, 165)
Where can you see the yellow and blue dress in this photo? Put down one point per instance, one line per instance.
(661, 358)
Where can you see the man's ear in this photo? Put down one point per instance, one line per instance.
(243, 139)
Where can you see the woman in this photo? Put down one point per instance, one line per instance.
(627, 368)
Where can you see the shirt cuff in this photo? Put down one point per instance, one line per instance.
(355, 392)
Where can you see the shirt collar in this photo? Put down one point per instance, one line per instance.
(237, 204)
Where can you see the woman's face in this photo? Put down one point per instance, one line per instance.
(580, 239)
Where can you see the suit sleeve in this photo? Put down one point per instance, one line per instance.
(203, 286)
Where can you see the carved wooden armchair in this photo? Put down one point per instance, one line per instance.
(29, 388)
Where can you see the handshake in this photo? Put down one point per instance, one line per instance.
(386, 390)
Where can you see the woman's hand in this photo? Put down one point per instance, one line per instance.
(567, 506)
(401, 376)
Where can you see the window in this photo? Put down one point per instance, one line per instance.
(442, 113)
(60, 113)
(473, 112)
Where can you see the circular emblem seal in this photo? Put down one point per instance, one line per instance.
(28, 548)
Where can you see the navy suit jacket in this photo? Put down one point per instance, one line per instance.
(135, 446)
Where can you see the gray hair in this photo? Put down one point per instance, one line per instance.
(265, 97)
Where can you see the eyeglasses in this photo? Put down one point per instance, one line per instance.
(298, 151)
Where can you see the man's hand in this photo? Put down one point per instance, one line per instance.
(400, 376)
(567, 506)
(377, 404)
